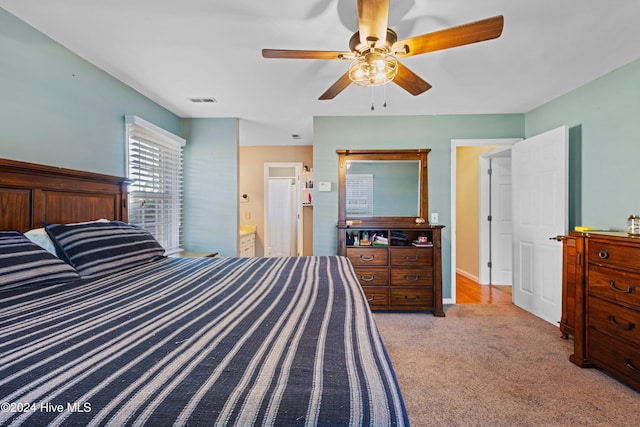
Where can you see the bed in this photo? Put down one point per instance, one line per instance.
(174, 341)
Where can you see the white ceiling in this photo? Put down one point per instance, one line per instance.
(172, 50)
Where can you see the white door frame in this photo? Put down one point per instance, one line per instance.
(297, 201)
(455, 143)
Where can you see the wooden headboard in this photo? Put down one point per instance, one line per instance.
(31, 194)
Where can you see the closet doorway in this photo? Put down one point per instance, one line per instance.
(282, 216)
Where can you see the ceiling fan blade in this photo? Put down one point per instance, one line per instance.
(410, 81)
(461, 35)
(373, 18)
(340, 85)
(303, 54)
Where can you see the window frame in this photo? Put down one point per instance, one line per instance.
(160, 170)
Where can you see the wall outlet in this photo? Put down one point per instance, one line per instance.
(434, 218)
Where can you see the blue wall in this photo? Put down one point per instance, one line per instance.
(58, 109)
(604, 121)
(211, 194)
(434, 132)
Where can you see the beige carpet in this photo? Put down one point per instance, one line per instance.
(497, 365)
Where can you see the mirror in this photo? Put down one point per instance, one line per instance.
(382, 188)
(378, 186)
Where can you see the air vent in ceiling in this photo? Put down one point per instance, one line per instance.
(204, 100)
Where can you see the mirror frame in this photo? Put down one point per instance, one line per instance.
(347, 155)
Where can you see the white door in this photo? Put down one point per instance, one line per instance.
(282, 209)
(540, 174)
(501, 221)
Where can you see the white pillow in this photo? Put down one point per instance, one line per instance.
(40, 237)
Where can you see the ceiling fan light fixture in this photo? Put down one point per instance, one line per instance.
(373, 69)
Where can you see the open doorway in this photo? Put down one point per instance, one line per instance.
(465, 206)
(282, 220)
(539, 166)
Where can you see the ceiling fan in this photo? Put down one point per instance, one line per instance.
(375, 49)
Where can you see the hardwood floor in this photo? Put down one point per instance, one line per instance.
(470, 292)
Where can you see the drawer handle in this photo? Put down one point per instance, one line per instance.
(604, 254)
(629, 363)
(416, 299)
(367, 278)
(411, 279)
(612, 285)
(371, 299)
(629, 326)
(367, 258)
(411, 259)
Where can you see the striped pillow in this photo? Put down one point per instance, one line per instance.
(100, 248)
(22, 263)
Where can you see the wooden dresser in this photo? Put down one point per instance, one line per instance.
(607, 329)
(399, 275)
(572, 276)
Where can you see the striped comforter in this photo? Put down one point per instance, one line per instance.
(209, 341)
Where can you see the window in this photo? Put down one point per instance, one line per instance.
(154, 164)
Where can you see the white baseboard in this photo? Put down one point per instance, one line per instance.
(468, 275)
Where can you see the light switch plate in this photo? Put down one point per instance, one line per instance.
(434, 218)
(324, 186)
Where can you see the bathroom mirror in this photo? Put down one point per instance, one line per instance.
(382, 186)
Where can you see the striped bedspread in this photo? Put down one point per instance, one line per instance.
(198, 342)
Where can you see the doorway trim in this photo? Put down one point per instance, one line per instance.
(455, 143)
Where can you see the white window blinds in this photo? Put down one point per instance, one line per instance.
(359, 194)
(154, 163)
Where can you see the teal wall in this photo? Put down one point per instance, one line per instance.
(60, 110)
(434, 132)
(604, 121)
(211, 194)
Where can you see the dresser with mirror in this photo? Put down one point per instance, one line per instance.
(384, 230)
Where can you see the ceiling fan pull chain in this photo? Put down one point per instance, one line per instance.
(384, 89)
(372, 106)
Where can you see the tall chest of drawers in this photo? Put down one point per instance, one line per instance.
(397, 275)
(611, 322)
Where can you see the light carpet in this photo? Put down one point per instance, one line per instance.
(497, 365)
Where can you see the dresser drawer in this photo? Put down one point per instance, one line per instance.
(368, 256)
(411, 276)
(412, 296)
(376, 296)
(372, 276)
(620, 255)
(411, 256)
(614, 284)
(615, 320)
(615, 356)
